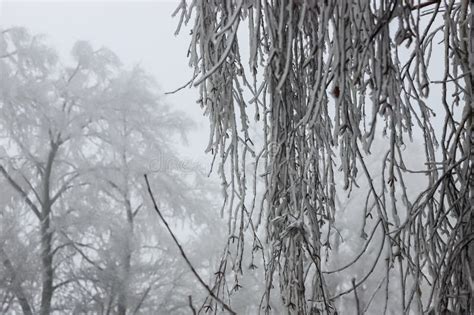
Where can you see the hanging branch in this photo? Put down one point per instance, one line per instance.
(332, 76)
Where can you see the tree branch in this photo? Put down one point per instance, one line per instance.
(17, 187)
(208, 289)
(424, 4)
(63, 188)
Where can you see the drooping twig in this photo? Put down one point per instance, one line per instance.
(304, 52)
(183, 254)
(353, 281)
(190, 300)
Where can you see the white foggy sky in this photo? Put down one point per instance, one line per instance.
(139, 32)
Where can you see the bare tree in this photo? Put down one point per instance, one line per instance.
(324, 79)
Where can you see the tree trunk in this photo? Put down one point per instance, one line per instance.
(47, 266)
(47, 236)
(126, 262)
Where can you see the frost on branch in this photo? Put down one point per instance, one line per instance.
(321, 81)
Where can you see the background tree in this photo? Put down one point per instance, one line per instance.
(135, 136)
(76, 142)
(328, 78)
(42, 119)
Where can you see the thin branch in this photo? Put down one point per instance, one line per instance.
(188, 262)
(63, 188)
(191, 306)
(18, 188)
(17, 288)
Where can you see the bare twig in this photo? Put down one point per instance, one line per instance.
(183, 254)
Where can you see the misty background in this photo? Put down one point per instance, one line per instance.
(139, 32)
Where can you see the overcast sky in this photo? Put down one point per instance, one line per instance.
(137, 31)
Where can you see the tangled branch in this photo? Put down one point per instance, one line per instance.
(327, 77)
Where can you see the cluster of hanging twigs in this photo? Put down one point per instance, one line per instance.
(325, 78)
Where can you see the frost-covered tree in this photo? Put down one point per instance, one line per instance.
(322, 81)
(44, 111)
(76, 231)
(135, 135)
